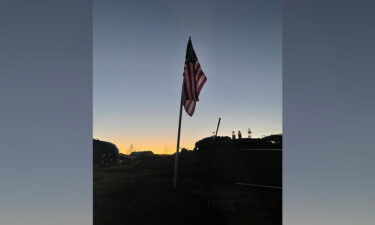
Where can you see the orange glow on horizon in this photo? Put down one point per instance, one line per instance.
(165, 147)
(162, 140)
(158, 145)
(156, 148)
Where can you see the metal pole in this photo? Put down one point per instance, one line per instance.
(178, 147)
(217, 128)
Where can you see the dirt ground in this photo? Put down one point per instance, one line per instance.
(140, 193)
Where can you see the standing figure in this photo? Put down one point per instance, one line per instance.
(239, 135)
(249, 133)
(233, 135)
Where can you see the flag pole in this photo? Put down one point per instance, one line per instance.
(178, 146)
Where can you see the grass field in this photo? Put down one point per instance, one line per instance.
(140, 192)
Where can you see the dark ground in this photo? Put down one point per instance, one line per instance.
(140, 192)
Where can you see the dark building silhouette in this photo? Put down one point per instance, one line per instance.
(142, 154)
(248, 160)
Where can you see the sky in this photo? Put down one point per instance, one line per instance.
(139, 51)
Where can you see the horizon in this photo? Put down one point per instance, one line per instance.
(129, 151)
(139, 54)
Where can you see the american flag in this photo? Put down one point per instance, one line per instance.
(194, 80)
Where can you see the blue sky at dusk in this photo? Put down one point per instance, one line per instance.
(139, 49)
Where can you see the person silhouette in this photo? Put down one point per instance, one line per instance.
(239, 135)
(233, 135)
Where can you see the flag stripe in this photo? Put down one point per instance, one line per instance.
(193, 86)
(189, 107)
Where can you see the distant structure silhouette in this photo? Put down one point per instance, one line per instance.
(239, 135)
(249, 133)
(233, 135)
(141, 154)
